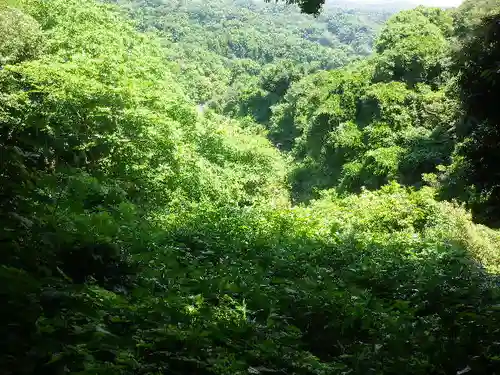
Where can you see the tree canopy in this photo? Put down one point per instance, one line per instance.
(473, 176)
(290, 218)
(307, 6)
(215, 42)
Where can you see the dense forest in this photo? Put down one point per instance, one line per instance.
(235, 187)
(223, 44)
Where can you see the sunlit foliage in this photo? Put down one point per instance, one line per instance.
(142, 234)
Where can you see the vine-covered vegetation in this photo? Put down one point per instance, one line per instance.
(385, 118)
(142, 234)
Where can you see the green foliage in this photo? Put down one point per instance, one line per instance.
(210, 40)
(470, 14)
(341, 126)
(21, 36)
(307, 6)
(97, 141)
(412, 46)
(473, 175)
(398, 104)
(144, 235)
(256, 96)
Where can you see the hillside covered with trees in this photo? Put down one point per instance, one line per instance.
(220, 44)
(331, 208)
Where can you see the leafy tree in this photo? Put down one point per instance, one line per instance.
(412, 47)
(22, 36)
(470, 14)
(401, 130)
(307, 6)
(473, 176)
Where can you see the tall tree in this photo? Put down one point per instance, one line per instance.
(307, 6)
(476, 170)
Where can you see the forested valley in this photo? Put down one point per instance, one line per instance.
(229, 187)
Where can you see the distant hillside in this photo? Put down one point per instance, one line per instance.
(225, 40)
(391, 5)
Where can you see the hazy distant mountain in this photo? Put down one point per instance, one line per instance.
(393, 4)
